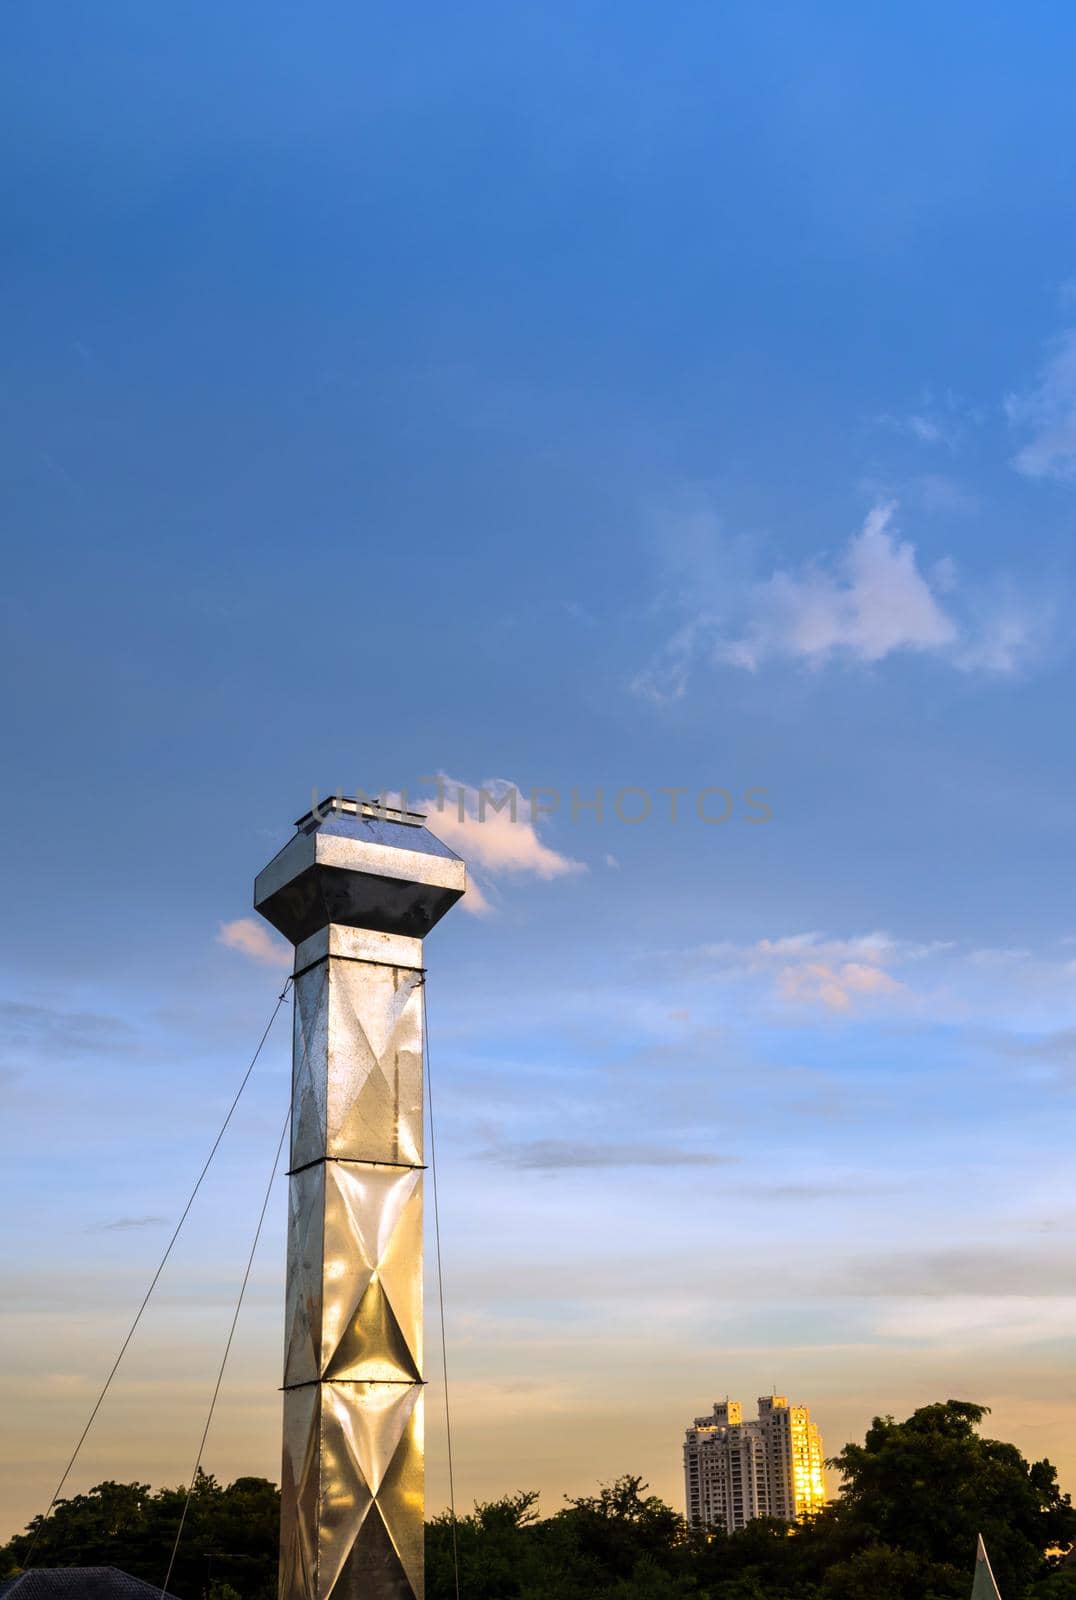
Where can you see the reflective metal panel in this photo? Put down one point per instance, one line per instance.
(299, 1494)
(372, 1326)
(351, 1517)
(310, 1047)
(374, 1094)
(303, 1295)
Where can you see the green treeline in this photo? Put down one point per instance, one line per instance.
(914, 1497)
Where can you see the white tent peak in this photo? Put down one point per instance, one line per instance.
(984, 1587)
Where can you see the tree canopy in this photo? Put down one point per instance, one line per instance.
(914, 1497)
(926, 1487)
(229, 1538)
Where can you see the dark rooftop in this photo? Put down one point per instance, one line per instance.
(78, 1583)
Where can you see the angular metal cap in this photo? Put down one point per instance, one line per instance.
(361, 865)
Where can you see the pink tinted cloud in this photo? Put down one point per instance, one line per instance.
(254, 939)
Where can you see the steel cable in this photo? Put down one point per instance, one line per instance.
(296, 1075)
(156, 1276)
(227, 1352)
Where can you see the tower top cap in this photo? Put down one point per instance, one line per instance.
(362, 865)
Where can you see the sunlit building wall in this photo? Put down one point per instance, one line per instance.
(735, 1471)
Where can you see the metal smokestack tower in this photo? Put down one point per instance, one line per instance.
(355, 891)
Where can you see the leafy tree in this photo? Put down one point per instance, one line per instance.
(927, 1486)
(1058, 1583)
(621, 1542)
(764, 1559)
(229, 1537)
(493, 1548)
(897, 1574)
(622, 1527)
(650, 1580)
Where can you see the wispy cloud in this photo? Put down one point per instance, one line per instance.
(666, 678)
(879, 948)
(494, 827)
(836, 988)
(926, 429)
(872, 601)
(35, 1027)
(925, 426)
(1057, 1046)
(937, 421)
(124, 1224)
(814, 969)
(958, 1270)
(1023, 1000)
(1047, 412)
(938, 493)
(811, 1190)
(539, 1155)
(254, 939)
(962, 1323)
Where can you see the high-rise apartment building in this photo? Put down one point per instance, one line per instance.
(735, 1471)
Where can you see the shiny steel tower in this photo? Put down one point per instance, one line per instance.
(355, 891)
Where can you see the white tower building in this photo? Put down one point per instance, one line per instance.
(735, 1471)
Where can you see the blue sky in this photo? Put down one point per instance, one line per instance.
(573, 397)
